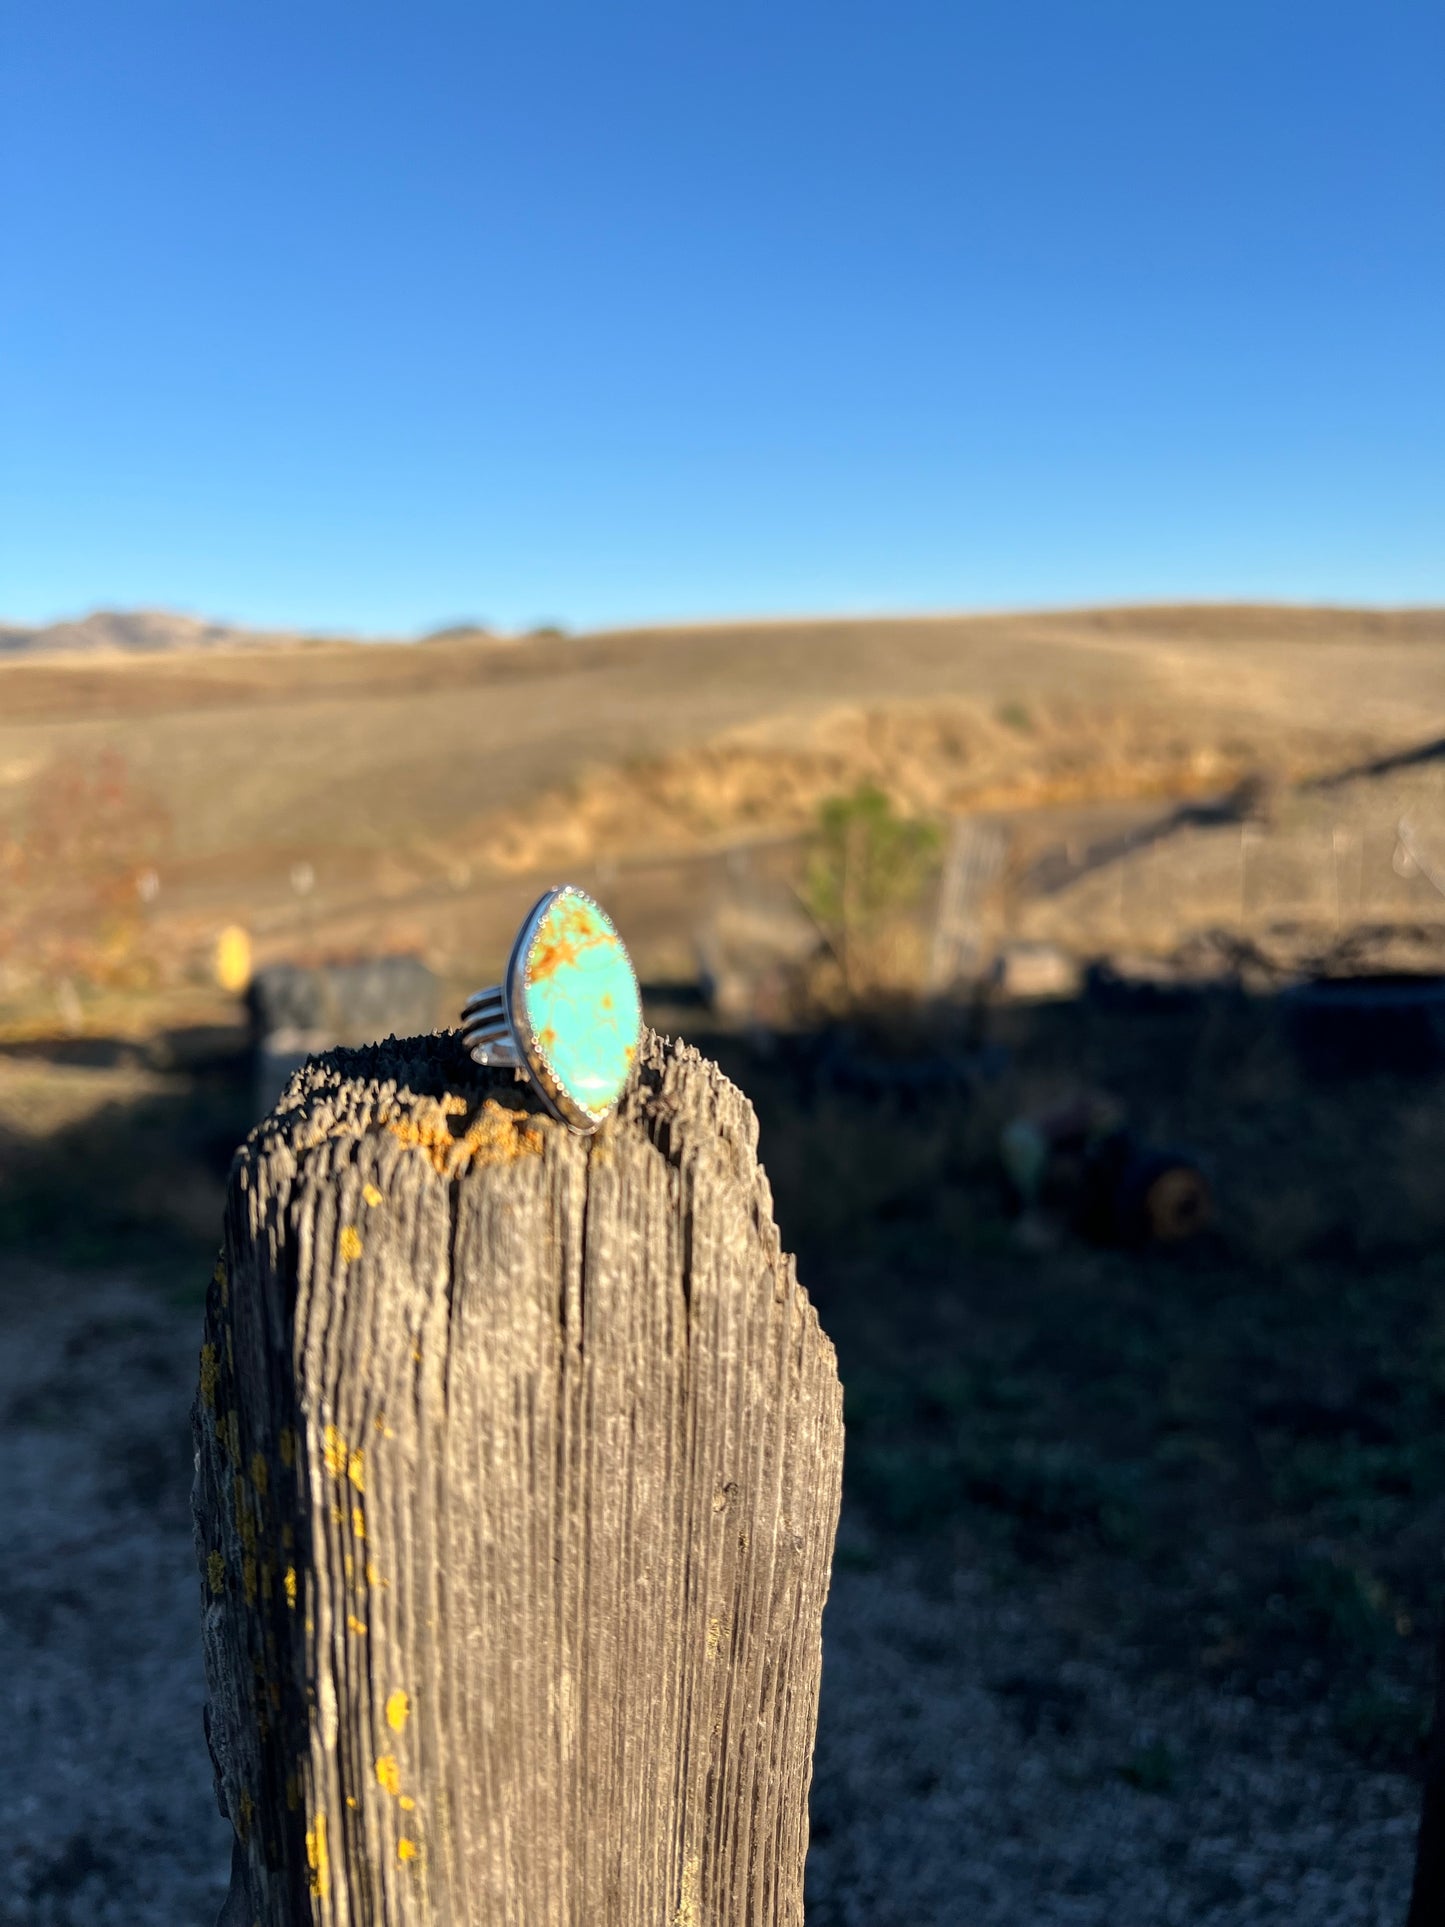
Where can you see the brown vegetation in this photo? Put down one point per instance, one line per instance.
(330, 795)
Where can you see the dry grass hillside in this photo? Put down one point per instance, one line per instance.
(328, 794)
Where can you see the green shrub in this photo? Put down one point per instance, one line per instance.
(868, 866)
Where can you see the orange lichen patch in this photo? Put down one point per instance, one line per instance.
(350, 1245)
(371, 1195)
(373, 1575)
(260, 1473)
(355, 1625)
(317, 1858)
(388, 1775)
(216, 1572)
(398, 1706)
(406, 1849)
(408, 1805)
(496, 1135)
(358, 1523)
(356, 1468)
(210, 1372)
(288, 1586)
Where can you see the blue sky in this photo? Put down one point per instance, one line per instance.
(373, 318)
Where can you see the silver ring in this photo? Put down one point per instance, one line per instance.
(567, 1015)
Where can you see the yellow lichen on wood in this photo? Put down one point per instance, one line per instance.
(216, 1572)
(398, 1706)
(357, 1626)
(350, 1246)
(358, 1523)
(388, 1774)
(288, 1586)
(317, 1858)
(407, 1804)
(344, 1461)
(210, 1372)
(406, 1849)
(371, 1195)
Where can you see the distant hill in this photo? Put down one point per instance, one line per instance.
(161, 632)
(111, 632)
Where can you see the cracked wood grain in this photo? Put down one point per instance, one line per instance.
(518, 1468)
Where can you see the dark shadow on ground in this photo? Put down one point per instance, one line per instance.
(1230, 1452)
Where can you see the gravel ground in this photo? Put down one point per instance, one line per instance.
(970, 1769)
(968, 1772)
(106, 1802)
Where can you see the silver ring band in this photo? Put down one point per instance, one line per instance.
(487, 1029)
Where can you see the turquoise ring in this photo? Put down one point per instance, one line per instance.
(567, 1015)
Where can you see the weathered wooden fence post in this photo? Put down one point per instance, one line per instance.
(518, 1473)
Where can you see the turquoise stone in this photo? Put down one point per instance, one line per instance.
(580, 1000)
